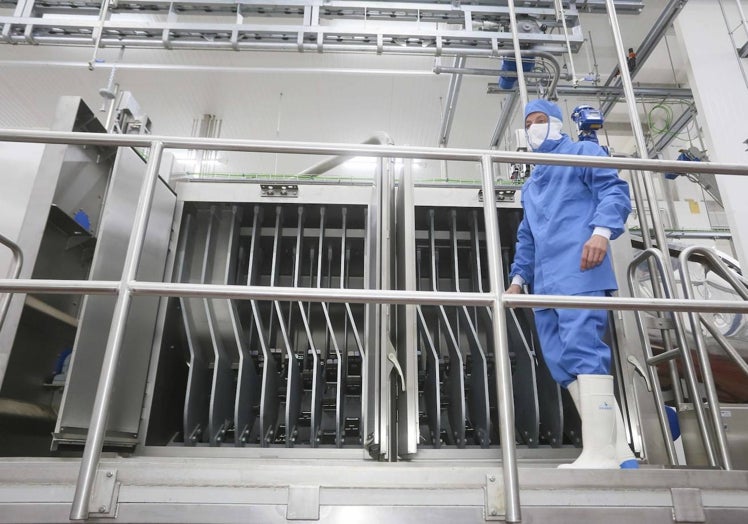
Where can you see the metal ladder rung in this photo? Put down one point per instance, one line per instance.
(663, 357)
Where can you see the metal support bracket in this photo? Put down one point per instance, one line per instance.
(280, 190)
(660, 323)
(687, 505)
(495, 507)
(502, 194)
(303, 503)
(103, 501)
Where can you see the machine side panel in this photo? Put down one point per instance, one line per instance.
(114, 232)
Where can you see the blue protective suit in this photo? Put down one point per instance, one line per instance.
(562, 206)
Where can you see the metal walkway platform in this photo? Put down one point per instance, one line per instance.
(148, 489)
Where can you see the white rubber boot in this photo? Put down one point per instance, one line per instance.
(624, 456)
(597, 409)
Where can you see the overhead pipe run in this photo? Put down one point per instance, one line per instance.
(379, 138)
(547, 57)
(507, 110)
(452, 93)
(517, 52)
(618, 92)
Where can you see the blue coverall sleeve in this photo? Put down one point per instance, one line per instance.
(610, 193)
(524, 254)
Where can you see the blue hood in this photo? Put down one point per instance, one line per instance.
(544, 106)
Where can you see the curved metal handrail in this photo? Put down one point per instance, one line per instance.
(716, 265)
(15, 271)
(682, 351)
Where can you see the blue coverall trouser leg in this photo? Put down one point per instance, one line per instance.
(572, 341)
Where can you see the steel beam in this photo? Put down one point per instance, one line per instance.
(645, 49)
(611, 91)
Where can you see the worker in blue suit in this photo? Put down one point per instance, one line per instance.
(570, 214)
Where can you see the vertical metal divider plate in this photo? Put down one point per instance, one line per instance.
(455, 382)
(407, 315)
(337, 361)
(221, 324)
(388, 420)
(318, 360)
(294, 383)
(270, 377)
(197, 398)
(483, 315)
(247, 396)
(352, 325)
(526, 409)
(432, 380)
(372, 278)
(478, 402)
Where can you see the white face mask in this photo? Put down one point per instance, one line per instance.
(539, 133)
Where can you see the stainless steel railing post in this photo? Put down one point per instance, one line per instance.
(502, 366)
(100, 414)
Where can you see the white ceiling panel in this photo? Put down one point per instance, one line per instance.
(298, 96)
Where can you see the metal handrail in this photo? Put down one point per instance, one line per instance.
(15, 271)
(649, 354)
(712, 262)
(320, 148)
(127, 286)
(682, 351)
(364, 296)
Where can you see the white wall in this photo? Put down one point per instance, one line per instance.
(18, 166)
(721, 97)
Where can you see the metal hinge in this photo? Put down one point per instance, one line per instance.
(502, 195)
(660, 323)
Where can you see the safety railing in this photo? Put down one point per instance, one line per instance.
(14, 271)
(658, 276)
(127, 286)
(714, 263)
